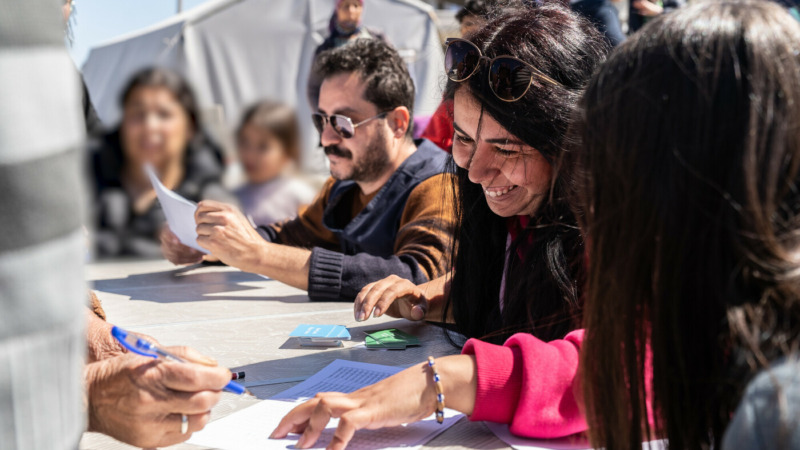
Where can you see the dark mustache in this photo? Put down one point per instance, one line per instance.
(340, 152)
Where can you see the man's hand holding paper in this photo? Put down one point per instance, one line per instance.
(223, 230)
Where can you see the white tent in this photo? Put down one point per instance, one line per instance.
(236, 52)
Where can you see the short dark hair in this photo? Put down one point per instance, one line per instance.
(383, 71)
(478, 8)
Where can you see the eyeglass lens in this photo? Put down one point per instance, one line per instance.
(509, 78)
(461, 60)
(340, 124)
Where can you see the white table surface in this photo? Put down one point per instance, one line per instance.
(243, 321)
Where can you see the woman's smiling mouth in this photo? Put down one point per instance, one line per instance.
(495, 192)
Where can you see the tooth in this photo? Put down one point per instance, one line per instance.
(505, 191)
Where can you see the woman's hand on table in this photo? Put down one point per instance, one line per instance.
(140, 400)
(393, 296)
(406, 397)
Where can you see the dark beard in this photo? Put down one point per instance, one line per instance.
(373, 164)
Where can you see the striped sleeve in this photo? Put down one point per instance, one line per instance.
(42, 288)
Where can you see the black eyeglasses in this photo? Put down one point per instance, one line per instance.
(342, 125)
(509, 78)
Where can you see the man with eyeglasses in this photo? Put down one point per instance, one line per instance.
(387, 208)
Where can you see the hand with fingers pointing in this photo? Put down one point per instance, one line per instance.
(151, 402)
(372, 407)
(393, 296)
(406, 397)
(400, 298)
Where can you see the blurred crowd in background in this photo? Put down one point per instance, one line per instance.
(258, 162)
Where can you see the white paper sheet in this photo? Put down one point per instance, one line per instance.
(567, 443)
(179, 212)
(250, 428)
(339, 376)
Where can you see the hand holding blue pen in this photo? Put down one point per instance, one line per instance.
(143, 347)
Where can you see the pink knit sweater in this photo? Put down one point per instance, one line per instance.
(529, 384)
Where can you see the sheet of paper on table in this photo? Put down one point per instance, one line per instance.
(567, 443)
(250, 428)
(339, 376)
(178, 210)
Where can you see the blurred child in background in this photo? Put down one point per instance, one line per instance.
(268, 146)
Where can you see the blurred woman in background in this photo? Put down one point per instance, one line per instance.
(268, 145)
(160, 126)
(689, 174)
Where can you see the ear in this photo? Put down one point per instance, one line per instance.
(399, 121)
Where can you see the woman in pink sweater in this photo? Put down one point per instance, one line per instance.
(520, 257)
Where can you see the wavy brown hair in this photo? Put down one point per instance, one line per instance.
(688, 175)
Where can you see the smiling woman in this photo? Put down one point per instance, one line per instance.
(519, 261)
(520, 257)
(498, 161)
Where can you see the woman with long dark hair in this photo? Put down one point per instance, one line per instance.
(519, 262)
(688, 176)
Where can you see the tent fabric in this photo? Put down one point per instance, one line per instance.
(237, 52)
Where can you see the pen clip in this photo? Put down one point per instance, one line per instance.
(139, 346)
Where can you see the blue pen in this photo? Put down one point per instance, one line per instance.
(146, 348)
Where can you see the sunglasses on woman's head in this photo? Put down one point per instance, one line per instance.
(342, 125)
(509, 78)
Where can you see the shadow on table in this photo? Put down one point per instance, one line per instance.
(466, 434)
(187, 284)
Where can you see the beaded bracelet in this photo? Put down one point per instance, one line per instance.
(439, 391)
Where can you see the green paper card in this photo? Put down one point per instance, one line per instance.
(390, 339)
